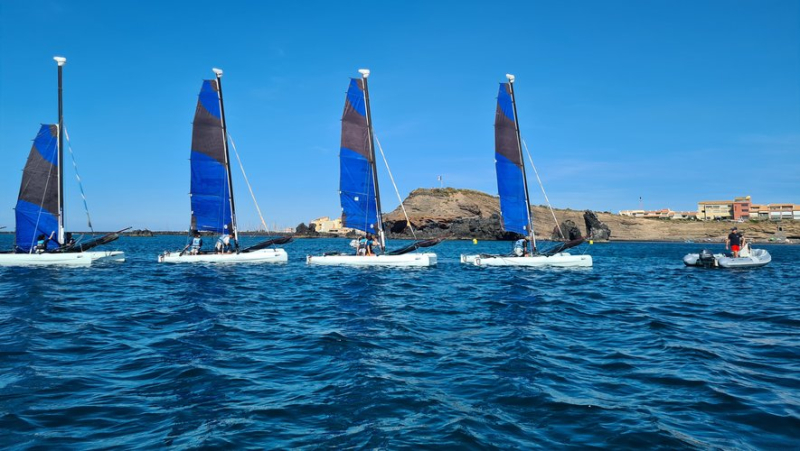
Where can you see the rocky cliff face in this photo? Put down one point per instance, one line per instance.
(448, 212)
(568, 231)
(460, 213)
(596, 229)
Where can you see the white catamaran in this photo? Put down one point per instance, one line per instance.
(512, 185)
(213, 208)
(40, 237)
(358, 188)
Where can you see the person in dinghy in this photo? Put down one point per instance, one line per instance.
(735, 241)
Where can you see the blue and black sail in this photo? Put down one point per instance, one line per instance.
(357, 188)
(510, 167)
(37, 210)
(212, 209)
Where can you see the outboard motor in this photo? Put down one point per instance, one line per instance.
(706, 259)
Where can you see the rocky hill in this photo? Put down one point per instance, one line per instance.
(467, 214)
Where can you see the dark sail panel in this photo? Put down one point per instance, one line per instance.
(211, 206)
(356, 187)
(508, 162)
(37, 205)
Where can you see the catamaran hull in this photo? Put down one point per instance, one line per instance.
(259, 256)
(62, 259)
(424, 259)
(562, 260)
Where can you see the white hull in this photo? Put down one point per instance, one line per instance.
(562, 260)
(259, 256)
(62, 259)
(412, 259)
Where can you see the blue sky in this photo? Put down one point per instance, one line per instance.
(674, 101)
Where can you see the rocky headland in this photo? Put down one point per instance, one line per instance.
(467, 214)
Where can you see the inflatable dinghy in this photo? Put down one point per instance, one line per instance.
(748, 258)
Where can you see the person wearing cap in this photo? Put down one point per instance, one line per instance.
(734, 241)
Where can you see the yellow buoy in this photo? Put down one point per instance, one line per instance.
(591, 241)
(474, 241)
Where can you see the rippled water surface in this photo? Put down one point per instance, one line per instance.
(638, 351)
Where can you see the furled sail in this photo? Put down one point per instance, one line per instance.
(37, 206)
(356, 187)
(509, 166)
(211, 203)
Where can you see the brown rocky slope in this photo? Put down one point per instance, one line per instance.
(467, 214)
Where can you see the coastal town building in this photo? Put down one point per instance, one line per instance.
(664, 213)
(738, 209)
(327, 225)
(715, 209)
(758, 211)
(742, 209)
(633, 213)
(781, 211)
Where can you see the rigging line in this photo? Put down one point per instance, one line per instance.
(80, 183)
(236, 152)
(402, 207)
(542, 187)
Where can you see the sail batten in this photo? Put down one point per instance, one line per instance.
(509, 166)
(356, 165)
(210, 191)
(37, 208)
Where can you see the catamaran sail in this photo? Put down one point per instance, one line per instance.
(512, 186)
(212, 203)
(37, 210)
(213, 207)
(512, 183)
(40, 236)
(358, 186)
(357, 177)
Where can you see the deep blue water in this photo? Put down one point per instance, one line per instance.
(638, 351)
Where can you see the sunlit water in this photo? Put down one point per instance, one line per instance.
(638, 351)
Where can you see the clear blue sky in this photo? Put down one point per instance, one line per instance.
(674, 101)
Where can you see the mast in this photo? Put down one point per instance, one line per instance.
(60, 61)
(531, 235)
(381, 233)
(218, 73)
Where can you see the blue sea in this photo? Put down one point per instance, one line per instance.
(636, 352)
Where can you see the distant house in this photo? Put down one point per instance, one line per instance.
(741, 208)
(684, 215)
(758, 211)
(327, 225)
(715, 209)
(779, 212)
(736, 209)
